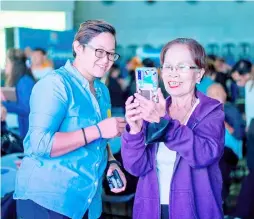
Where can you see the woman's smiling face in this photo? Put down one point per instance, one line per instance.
(179, 71)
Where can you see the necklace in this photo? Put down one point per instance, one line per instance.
(183, 119)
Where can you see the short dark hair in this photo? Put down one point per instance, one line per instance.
(90, 29)
(43, 51)
(197, 51)
(147, 62)
(242, 67)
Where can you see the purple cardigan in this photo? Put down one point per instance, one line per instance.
(196, 183)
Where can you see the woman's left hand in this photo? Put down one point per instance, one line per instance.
(111, 168)
(149, 110)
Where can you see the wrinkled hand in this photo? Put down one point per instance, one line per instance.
(133, 116)
(112, 127)
(111, 168)
(3, 113)
(149, 110)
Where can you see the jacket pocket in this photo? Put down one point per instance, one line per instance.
(183, 205)
(138, 207)
(24, 174)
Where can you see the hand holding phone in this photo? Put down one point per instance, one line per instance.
(115, 181)
(147, 82)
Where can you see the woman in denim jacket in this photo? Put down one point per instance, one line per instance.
(66, 150)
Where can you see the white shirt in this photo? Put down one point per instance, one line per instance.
(165, 167)
(40, 73)
(249, 102)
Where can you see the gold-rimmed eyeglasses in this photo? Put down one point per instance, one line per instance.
(178, 68)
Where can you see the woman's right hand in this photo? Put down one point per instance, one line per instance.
(112, 127)
(133, 116)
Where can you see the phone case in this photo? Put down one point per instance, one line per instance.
(115, 181)
(111, 182)
(118, 179)
(147, 82)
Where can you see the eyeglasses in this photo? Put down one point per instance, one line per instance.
(101, 53)
(179, 68)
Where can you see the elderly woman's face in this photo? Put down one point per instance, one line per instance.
(179, 71)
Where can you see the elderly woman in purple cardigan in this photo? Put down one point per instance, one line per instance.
(174, 146)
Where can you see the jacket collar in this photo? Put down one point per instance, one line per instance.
(75, 73)
(205, 107)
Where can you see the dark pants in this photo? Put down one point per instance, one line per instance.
(164, 212)
(8, 207)
(245, 202)
(228, 163)
(27, 209)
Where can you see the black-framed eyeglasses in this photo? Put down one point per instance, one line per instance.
(101, 53)
(179, 68)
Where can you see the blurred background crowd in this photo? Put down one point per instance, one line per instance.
(35, 38)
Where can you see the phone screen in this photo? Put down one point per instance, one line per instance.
(147, 82)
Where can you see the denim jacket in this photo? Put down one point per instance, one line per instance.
(69, 184)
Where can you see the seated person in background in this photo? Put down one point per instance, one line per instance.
(233, 137)
(20, 77)
(221, 65)
(241, 74)
(235, 126)
(40, 65)
(116, 90)
(209, 76)
(216, 72)
(245, 203)
(131, 65)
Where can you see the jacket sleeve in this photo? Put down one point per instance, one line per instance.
(201, 146)
(48, 105)
(21, 107)
(136, 155)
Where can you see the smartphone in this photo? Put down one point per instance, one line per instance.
(147, 82)
(115, 181)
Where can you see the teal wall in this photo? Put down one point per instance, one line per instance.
(37, 5)
(142, 23)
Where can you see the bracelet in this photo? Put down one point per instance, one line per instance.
(114, 161)
(98, 130)
(84, 135)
